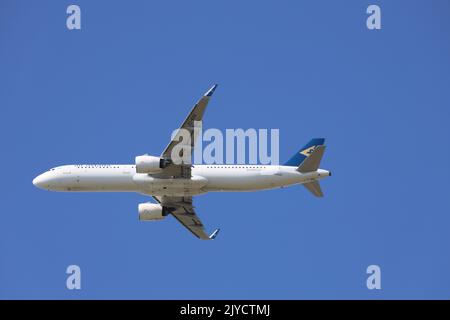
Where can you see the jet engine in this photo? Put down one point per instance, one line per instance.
(150, 164)
(151, 211)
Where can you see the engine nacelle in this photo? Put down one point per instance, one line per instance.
(150, 211)
(148, 164)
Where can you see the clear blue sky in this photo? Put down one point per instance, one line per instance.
(117, 89)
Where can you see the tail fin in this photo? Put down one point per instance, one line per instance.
(312, 155)
(305, 152)
(312, 163)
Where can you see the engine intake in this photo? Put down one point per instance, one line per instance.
(149, 164)
(151, 211)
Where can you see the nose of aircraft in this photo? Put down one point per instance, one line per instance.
(40, 181)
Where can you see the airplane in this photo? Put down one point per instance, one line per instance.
(173, 185)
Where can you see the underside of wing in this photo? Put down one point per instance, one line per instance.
(183, 210)
(179, 167)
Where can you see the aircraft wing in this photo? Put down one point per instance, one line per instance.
(196, 114)
(183, 210)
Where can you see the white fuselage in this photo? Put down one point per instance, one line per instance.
(205, 178)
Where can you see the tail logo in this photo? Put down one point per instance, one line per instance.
(307, 152)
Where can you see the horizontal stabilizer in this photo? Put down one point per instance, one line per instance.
(312, 162)
(314, 188)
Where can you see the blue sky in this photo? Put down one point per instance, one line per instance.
(120, 85)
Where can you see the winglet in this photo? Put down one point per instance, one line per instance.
(210, 92)
(214, 234)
